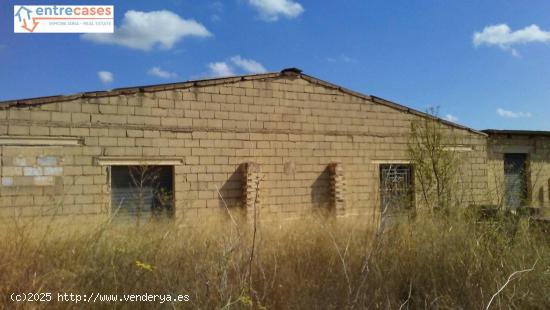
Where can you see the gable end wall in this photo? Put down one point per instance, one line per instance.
(292, 128)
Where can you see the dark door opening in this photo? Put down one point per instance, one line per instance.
(515, 180)
(143, 192)
(396, 188)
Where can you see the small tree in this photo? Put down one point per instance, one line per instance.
(435, 164)
(145, 179)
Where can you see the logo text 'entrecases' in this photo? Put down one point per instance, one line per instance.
(63, 18)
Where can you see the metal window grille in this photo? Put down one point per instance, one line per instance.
(142, 191)
(396, 188)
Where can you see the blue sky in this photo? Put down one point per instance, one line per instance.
(419, 53)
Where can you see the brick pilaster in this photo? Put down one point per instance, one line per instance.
(338, 187)
(252, 177)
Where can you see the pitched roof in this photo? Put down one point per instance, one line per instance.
(294, 72)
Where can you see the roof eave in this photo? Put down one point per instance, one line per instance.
(511, 132)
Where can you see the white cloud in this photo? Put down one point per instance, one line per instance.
(271, 10)
(105, 77)
(342, 58)
(218, 8)
(512, 114)
(220, 69)
(158, 72)
(215, 18)
(146, 30)
(236, 65)
(451, 118)
(502, 36)
(248, 65)
(347, 59)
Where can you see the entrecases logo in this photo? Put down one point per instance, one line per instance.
(63, 18)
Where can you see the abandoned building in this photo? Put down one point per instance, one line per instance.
(524, 157)
(285, 142)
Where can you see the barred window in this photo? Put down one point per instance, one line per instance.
(144, 192)
(396, 187)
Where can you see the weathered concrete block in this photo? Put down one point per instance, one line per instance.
(23, 181)
(53, 171)
(47, 161)
(12, 171)
(33, 171)
(44, 181)
(20, 161)
(7, 181)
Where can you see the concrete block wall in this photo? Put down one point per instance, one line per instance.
(538, 149)
(291, 127)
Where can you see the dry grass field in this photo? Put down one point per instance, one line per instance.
(317, 263)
